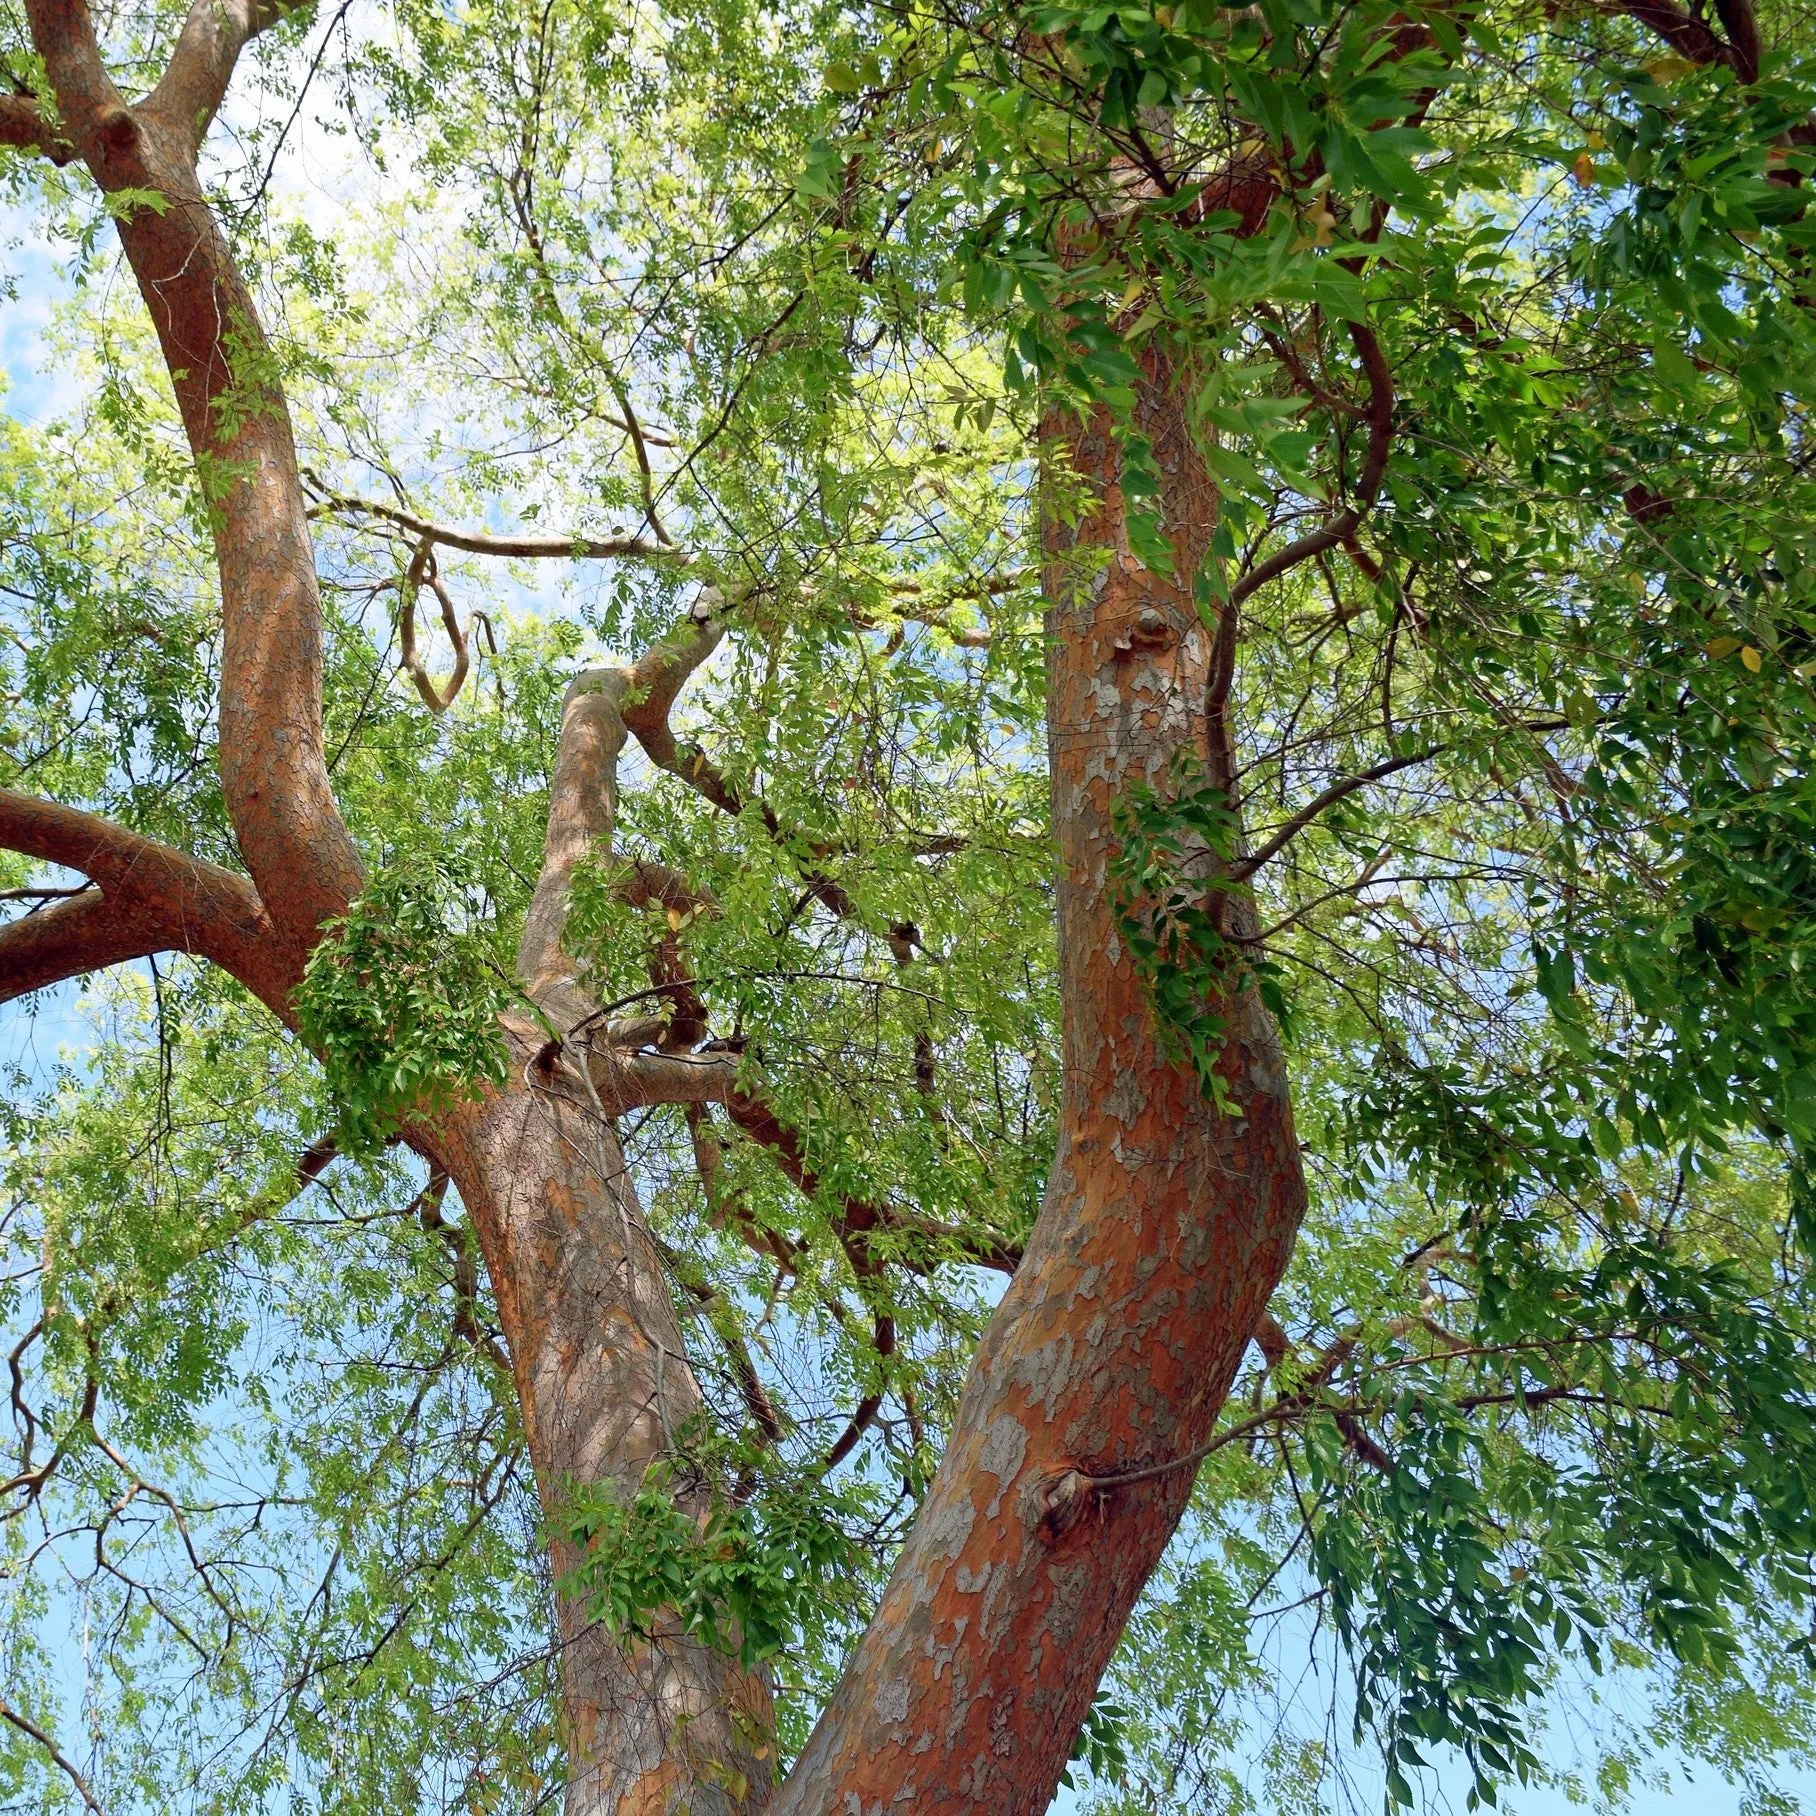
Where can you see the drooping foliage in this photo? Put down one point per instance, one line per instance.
(1495, 323)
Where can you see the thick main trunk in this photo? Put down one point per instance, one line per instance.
(605, 1387)
(1164, 1229)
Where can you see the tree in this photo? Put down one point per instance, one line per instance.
(1397, 415)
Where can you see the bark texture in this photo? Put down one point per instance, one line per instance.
(603, 1378)
(604, 1386)
(225, 377)
(1164, 1229)
(147, 898)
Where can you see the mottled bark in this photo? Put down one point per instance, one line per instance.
(1164, 1229)
(604, 1387)
(602, 1372)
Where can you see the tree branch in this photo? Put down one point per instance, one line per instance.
(1328, 798)
(223, 373)
(1738, 21)
(728, 1209)
(195, 82)
(22, 124)
(1686, 34)
(150, 898)
(646, 715)
(1342, 527)
(583, 792)
(474, 542)
(883, 1342)
(86, 97)
(58, 1758)
(861, 1221)
(422, 568)
(628, 1081)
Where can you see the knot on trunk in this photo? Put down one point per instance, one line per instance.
(1062, 1500)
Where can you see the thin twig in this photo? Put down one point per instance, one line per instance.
(26, 1725)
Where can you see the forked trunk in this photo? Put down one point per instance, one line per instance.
(604, 1385)
(1165, 1225)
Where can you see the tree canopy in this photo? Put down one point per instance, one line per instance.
(717, 428)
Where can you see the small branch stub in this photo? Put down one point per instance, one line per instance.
(1064, 1503)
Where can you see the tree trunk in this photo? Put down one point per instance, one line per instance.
(1164, 1229)
(604, 1386)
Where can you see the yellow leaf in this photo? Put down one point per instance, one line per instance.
(1805, 670)
(1585, 170)
(1721, 646)
(676, 920)
(1750, 656)
(1595, 142)
(1668, 69)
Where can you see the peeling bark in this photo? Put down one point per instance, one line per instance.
(605, 1386)
(1164, 1230)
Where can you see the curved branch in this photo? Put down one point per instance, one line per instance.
(1343, 526)
(422, 568)
(657, 677)
(150, 898)
(656, 681)
(223, 372)
(1329, 797)
(867, 1408)
(861, 1221)
(58, 1758)
(475, 542)
(729, 1210)
(629, 1081)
